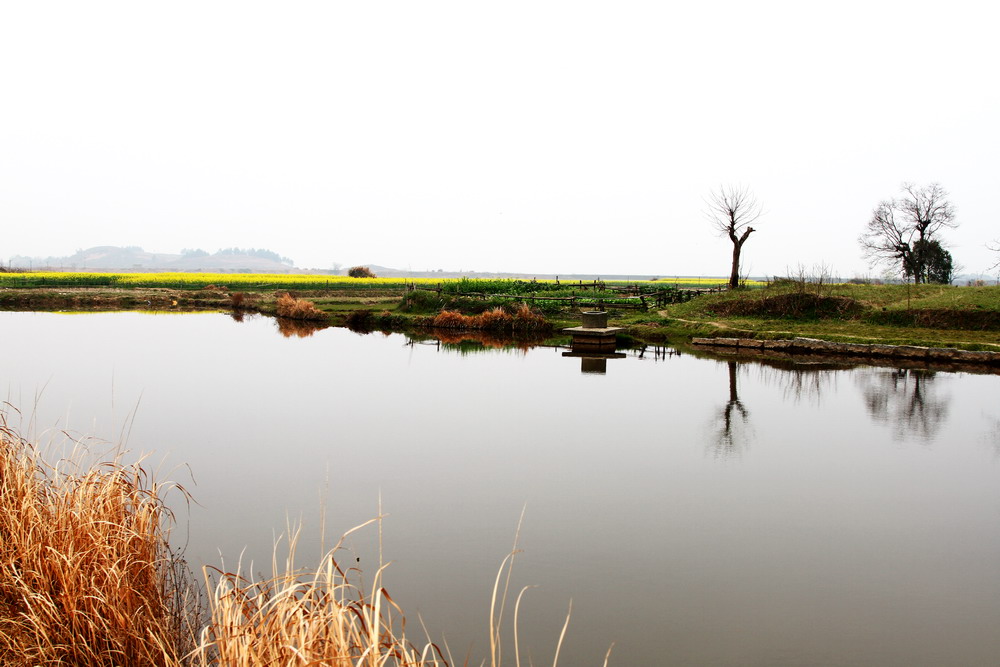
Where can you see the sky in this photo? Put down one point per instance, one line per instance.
(537, 137)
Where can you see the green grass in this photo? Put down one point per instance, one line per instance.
(932, 315)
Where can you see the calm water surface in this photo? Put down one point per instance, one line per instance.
(697, 512)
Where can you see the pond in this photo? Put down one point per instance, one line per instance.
(695, 511)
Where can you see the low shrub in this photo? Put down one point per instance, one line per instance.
(496, 319)
(298, 309)
(797, 305)
(450, 319)
(360, 272)
(932, 318)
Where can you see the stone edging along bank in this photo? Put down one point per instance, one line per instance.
(874, 351)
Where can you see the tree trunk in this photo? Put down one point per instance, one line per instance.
(734, 276)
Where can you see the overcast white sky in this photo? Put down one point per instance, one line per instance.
(547, 137)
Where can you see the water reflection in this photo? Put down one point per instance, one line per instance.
(290, 328)
(660, 352)
(733, 434)
(907, 399)
(822, 540)
(472, 342)
(800, 381)
(994, 437)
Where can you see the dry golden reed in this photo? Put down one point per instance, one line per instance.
(298, 309)
(86, 573)
(324, 617)
(495, 319)
(87, 578)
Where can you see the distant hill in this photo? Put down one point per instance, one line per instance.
(134, 258)
(387, 272)
(254, 260)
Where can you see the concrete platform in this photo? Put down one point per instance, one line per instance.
(593, 332)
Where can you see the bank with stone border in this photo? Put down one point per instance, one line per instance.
(945, 357)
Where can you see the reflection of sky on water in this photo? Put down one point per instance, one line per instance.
(826, 521)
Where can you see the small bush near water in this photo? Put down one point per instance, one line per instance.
(298, 309)
(495, 319)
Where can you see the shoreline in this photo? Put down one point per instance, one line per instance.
(383, 312)
(933, 358)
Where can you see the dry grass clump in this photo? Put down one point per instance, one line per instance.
(298, 309)
(495, 319)
(86, 574)
(87, 578)
(528, 319)
(320, 618)
(450, 319)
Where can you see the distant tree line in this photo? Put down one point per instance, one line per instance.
(244, 252)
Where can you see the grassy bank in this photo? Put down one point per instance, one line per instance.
(930, 315)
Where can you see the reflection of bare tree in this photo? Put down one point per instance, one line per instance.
(906, 398)
(800, 381)
(660, 352)
(733, 423)
(993, 437)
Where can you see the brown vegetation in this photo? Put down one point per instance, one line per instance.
(298, 309)
(360, 272)
(292, 328)
(495, 319)
(87, 578)
(86, 573)
(320, 618)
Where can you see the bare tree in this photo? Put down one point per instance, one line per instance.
(731, 211)
(903, 230)
(995, 247)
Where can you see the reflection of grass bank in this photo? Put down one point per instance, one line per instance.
(87, 578)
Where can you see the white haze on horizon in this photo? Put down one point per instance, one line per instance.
(536, 137)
